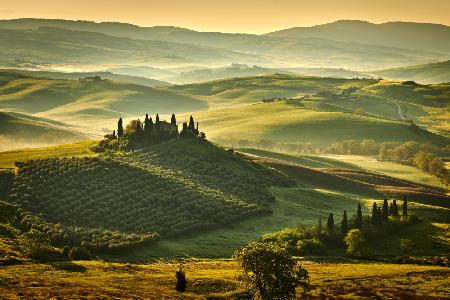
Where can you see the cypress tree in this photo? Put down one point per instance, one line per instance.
(119, 128)
(319, 225)
(395, 209)
(191, 124)
(114, 134)
(330, 223)
(359, 218)
(379, 217)
(173, 120)
(181, 284)
(157, 118)
(405, 207)
(344, 224)
(385, 210)
(374, 214)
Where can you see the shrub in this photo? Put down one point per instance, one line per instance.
(310, 247)
(79, 253)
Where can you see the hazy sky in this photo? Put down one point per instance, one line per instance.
(254, 16)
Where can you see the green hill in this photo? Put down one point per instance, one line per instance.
(176, 189)
(103, 74)
(427, 73)
(90, 106)
(20, 131)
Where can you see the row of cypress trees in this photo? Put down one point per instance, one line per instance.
(380, 215)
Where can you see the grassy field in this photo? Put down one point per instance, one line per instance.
(215, 280)
(388, 168)
(8, 158)
(282, 122)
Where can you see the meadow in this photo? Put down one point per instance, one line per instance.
(215, 279)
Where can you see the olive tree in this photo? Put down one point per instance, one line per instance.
(269, 271)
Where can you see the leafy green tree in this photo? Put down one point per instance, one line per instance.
(269, 271)
(181, 284)
(344, 224)
(356, 244)
(330, 223)
(359, 218)
(385, 210)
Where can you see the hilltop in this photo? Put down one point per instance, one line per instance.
(428, 73)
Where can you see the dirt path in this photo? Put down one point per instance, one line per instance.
(400, 112)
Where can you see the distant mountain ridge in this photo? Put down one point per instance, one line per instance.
(421, 36)
(344, 44)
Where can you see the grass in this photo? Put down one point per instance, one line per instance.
(292, 206)
(214, 280)
(282, 122)
(82, 149)
(388, 168)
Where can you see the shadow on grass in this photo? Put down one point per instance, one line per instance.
(68, 266)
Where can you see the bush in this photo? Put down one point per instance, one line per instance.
(310, 247)
(79, 253)
(406, 245)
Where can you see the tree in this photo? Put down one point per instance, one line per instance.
(173, 120)
(181, 284)
(356, 244)
(191, 125)
(344, 224)
(394, 209)
(319, 225)
(374, 214)
(119, 128)
(405, 207)
(385, 210)
(330, 223)
(359, 220)
(270, 271)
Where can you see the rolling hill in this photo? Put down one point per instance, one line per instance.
(103, 74)
(88, 105)
(176, 189)
(20, 131)
(171, 45)
(428, 73)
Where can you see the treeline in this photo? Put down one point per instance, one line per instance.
(350, 233)
(427, 158)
